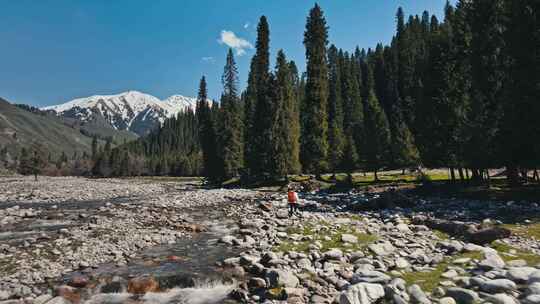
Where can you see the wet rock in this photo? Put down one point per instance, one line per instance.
(69, 293)
(142, 285)
(78, 281)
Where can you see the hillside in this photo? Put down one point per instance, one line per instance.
(19, 128)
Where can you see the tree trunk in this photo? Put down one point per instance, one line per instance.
(467, 173)
(535, 175)
(461, 177)
(35, 177)
(512, 175)
(452, 175)
(403, 171)
(349, 178)
(375, 176)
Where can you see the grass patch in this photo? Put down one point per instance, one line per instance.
(509, 253)
(441, 235)
(328, 237)
(429, 280)
(528, 231)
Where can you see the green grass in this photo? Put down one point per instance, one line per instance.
(529, 230)
(429, 280)
(509, 253)
(334, 241)
(441, 235)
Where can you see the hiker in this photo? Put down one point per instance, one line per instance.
(292, 199)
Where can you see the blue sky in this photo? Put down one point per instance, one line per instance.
(56, 50)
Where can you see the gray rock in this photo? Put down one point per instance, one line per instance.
(534, 288)
(418, 296)
(370, 276)
(492, 261)
(42, 299)
(349, 238)
(501, 298)
(498, 285)
(450, 274)
(4, 295)
(382, 249)
(362, 293)
(531, 299)
(462, 295)
(333, 254)
(402, 263)
(281, 278)
(520, 274)
(447, 300)
(58, 300)
(534, 277)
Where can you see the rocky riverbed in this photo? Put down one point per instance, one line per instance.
(74, 240)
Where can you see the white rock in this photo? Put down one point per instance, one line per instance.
(362, 293)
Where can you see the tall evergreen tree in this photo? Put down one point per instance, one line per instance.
(259, 148)
(286, 122)
(207, 134)
(519, 124)
(336, 139)
(315, 132)
(377, 141)
(488, 67)
(230, 130)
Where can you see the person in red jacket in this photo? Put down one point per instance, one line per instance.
(292, 199)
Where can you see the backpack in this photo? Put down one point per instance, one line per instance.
(291, 197)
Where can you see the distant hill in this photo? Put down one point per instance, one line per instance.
(21, 125)
(131, 111)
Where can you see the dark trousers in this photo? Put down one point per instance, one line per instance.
(293, 208)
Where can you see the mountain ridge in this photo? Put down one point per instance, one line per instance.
(132, 110)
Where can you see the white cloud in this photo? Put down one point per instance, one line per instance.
(208, 59)
(230, 39)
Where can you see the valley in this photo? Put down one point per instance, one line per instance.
(173, 241)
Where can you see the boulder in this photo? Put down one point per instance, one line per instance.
(498, 286)
(462, 295)
(531, 299)
(362, 293)
(382, 249)
(349, 238)
(501, 298)
(492, 261)
(520, 274)
(333, 254)
(370, 276)
(418, 296)
(281, 278)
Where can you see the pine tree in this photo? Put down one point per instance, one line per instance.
(336, 140)
(488, 77)
(207, 134)
(286, 125)
(377, 129)
(259, 148)
(315, 132)
(521, 107)
(230, 131)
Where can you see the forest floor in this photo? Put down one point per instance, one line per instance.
(170, 240)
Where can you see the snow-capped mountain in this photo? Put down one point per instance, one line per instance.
(133, 111)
